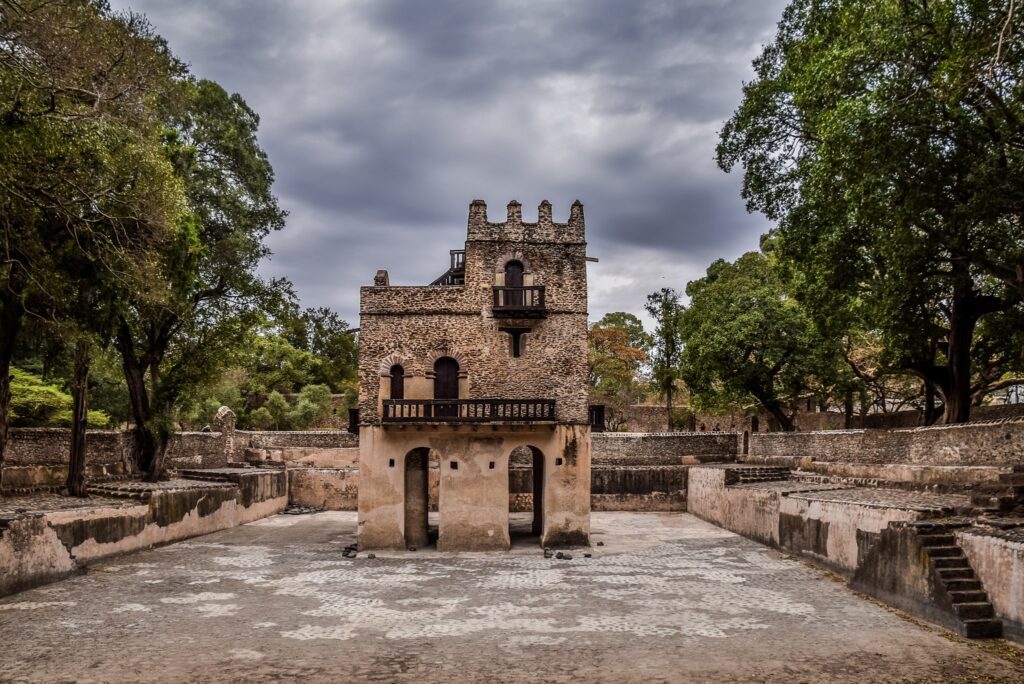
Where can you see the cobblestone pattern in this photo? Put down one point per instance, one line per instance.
(667, 599)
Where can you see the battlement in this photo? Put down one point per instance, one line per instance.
(514, 229)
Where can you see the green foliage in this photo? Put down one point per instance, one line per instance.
(887, 140)
(666, 351)
(36, 403)
(615, 363)
(746, 340)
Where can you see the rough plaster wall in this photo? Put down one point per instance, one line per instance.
(999, 563)
(842, 522)
(332, 489)
(752, 513)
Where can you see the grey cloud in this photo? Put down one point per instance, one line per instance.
(384, 118)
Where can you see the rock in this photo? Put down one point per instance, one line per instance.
(559, 555)
(566, 556)
(412, 548)
(600, 543)
(588, 555)
(371, 556)
(547, 553)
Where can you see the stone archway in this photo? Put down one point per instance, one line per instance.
(526, 492)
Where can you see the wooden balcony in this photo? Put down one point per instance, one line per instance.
(468, 410)
(519, 302)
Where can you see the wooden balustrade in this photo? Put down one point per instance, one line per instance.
(468, 410)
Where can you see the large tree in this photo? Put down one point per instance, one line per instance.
(617, 353)
(745, 338)
(886, 139)
(667, 346)
(85, 189)
(215, 296)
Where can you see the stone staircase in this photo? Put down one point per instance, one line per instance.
(957, 580)
(753, 474)
(1001, 498)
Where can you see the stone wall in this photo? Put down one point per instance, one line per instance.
(414, 326)
(990, 443)
(43, 540)
(625, 448)
(37, 458)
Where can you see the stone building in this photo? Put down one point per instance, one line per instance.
(478, 373)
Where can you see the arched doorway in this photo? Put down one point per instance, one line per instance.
(446, 385)
(417, 498)
(514, 271)
(526, 494)
(397, 382)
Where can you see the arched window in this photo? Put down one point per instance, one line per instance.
(397, 382)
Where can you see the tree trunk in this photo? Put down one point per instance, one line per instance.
(138, 398)
(10, 324)
(668, 402)
(929, 404)
(848, 411)
(79, 420)
(965, 309)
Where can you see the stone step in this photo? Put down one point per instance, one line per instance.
(944, 551)
(982, 629)
(957, 585)
(980, 610)
(952, 562)
(974, 596)
(957, 574)
(937, 539)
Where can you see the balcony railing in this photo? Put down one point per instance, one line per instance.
(468, 410)
(519, 301)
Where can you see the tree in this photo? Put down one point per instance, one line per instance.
(325, 335)
(666, 352)
(82, 172)
(746, 338)
(215, 296)
(886, 138)
(614, 363)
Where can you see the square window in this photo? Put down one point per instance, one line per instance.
(455, 465)
(558, 461)
(391, 463)
(491, 465)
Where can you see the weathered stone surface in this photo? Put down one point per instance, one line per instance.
(668, 598)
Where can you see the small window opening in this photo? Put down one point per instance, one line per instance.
(455, 465)
(391, 463)
(491, 465)
(558, 461)
(518, 340)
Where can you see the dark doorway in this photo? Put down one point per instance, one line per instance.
(417, 498)
(446, 386)
(397, 382)
(526, 494)
(514, 279)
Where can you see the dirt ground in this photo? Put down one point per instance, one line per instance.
(667, 598)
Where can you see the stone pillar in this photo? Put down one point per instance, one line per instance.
(224, 423)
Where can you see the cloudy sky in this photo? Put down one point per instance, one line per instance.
(385, 118)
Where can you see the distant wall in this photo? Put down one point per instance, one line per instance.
(626, 448)
(36, 458)
(988, 443)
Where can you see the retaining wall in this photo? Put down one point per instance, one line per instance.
(995, 443)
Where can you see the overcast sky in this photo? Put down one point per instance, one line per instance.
(383, 119)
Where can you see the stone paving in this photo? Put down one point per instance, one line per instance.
(667, 598)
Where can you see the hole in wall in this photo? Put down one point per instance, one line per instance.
(491, 465)
(454, 465)
(558, 461)
(391, 463)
